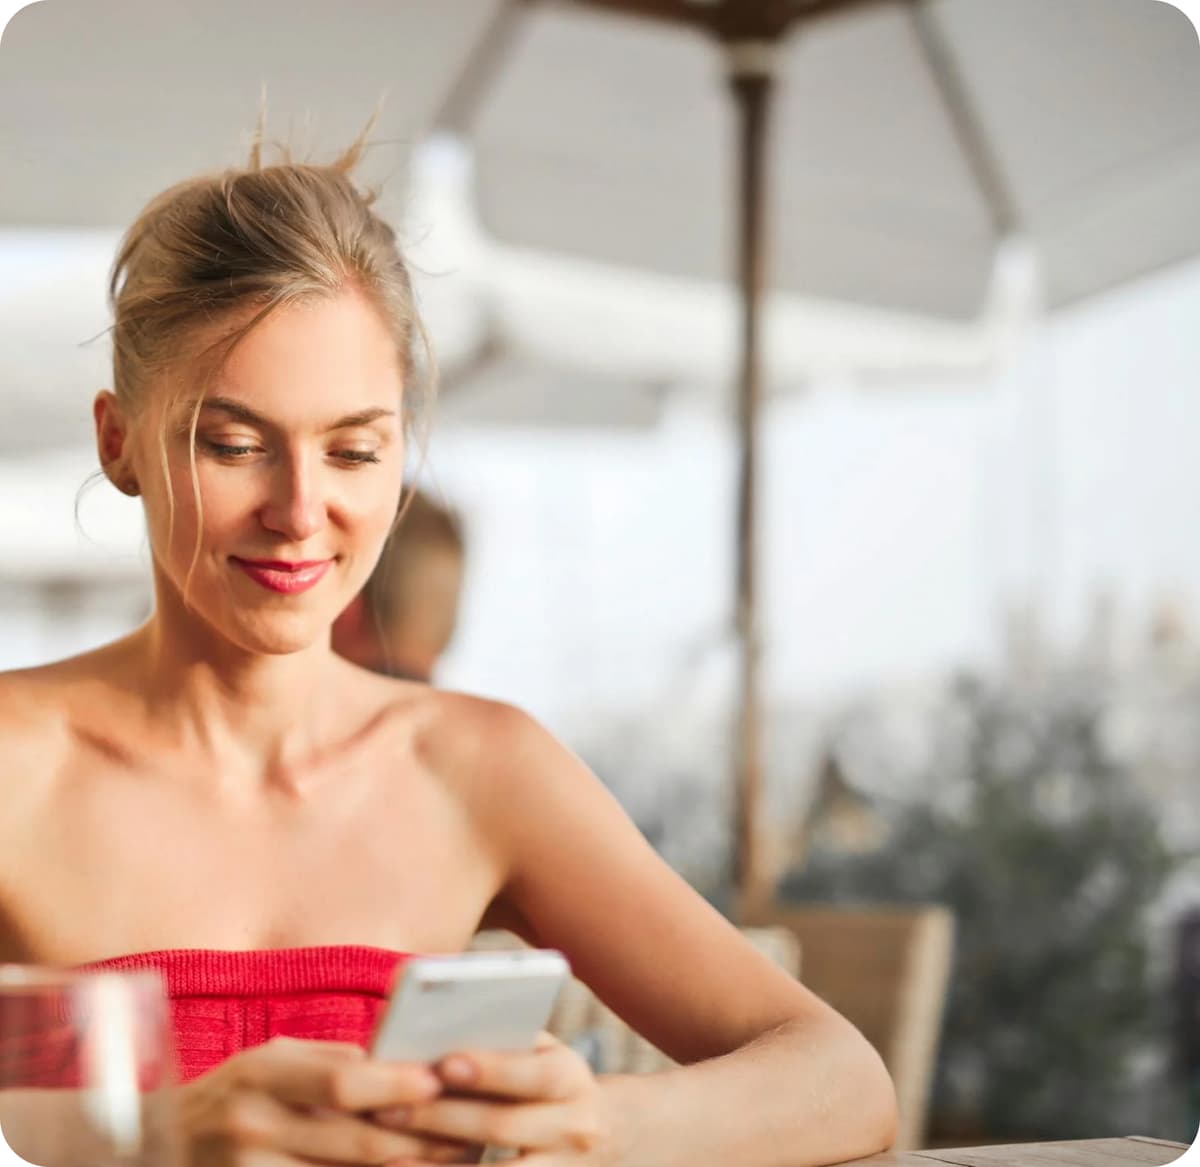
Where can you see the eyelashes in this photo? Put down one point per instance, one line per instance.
(223, 451)
(232, 453)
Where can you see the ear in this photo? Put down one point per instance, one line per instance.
(111, 442)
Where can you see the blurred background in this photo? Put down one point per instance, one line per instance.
(968, 231)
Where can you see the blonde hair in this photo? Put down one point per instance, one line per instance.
(260, 237)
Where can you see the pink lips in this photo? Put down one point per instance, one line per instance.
(287, 578)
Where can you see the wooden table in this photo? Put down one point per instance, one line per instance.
(1135, 1151)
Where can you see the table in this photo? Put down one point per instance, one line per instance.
(1134, 1151)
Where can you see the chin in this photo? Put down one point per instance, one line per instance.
(282, 645)
(280, 635)
(256, 621)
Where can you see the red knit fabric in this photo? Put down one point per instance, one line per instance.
(226, 1001)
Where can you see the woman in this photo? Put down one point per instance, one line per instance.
(221, 797)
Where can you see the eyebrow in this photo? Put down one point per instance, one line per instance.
(245, 413)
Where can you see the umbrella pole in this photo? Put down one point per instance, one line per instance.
(751, 81)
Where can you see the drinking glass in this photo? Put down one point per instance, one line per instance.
(87, 1069)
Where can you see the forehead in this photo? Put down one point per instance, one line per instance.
(309, 360)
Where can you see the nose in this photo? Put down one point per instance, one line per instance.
(296, 507)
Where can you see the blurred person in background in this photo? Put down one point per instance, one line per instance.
(220, 797)
(401, 623)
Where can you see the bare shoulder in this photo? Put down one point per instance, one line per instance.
(504, 748)
(34, 723)
(530, 794)
(515, 777)
(538, 793)
(38, 704)
(481, 745)
(32, 704)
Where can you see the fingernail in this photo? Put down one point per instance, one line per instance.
(458, 1069)
(393, 1115)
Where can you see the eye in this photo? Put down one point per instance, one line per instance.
(356, 457)
(222, 450)
(241, 452)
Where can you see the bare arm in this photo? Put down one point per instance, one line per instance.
(774, 1074)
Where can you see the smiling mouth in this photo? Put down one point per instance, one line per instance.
(283, 577)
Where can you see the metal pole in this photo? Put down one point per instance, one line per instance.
(751, 80)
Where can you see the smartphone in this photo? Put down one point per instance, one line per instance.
(474, 1000)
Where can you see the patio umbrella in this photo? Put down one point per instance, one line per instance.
(915, 137)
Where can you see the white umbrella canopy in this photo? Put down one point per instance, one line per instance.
(104, 105)
(906, 140)
(610, 138)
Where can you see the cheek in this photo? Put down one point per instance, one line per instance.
(382, 514)
(370, 532)
(169, 506)
(226, 500)
(371, 503)
(223, 504)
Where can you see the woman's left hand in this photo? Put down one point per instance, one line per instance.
(546, 1104)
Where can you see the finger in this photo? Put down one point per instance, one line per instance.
(257, 1123)
(433, 1148)
(262, 1157)
(304, 1073)
(452, 1153)
(544, 1159)
(467, 1155)
(438, 1152)
(552, 1073)
(529, 1125)
(347, 1048)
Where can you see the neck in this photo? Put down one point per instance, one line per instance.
(249, 714)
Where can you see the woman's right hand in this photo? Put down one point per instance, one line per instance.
(296, 1101)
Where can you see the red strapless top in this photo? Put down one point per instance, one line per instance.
(225, 1001)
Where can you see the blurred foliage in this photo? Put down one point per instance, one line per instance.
(1049, 857)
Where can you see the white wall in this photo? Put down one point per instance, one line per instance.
(898, 521)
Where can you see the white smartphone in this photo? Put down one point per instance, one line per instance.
(474, 1000)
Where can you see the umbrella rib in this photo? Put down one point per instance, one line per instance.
(458, 111)
(965, 122)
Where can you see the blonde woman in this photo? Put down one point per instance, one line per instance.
(220, 796)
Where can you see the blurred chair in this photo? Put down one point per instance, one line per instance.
(583, 1021)
(886, 969)
(1187, 1010)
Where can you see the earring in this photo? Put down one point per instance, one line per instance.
(129, 487)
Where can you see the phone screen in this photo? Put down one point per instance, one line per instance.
(477, 1000)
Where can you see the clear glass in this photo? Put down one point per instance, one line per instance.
(87, 1069)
